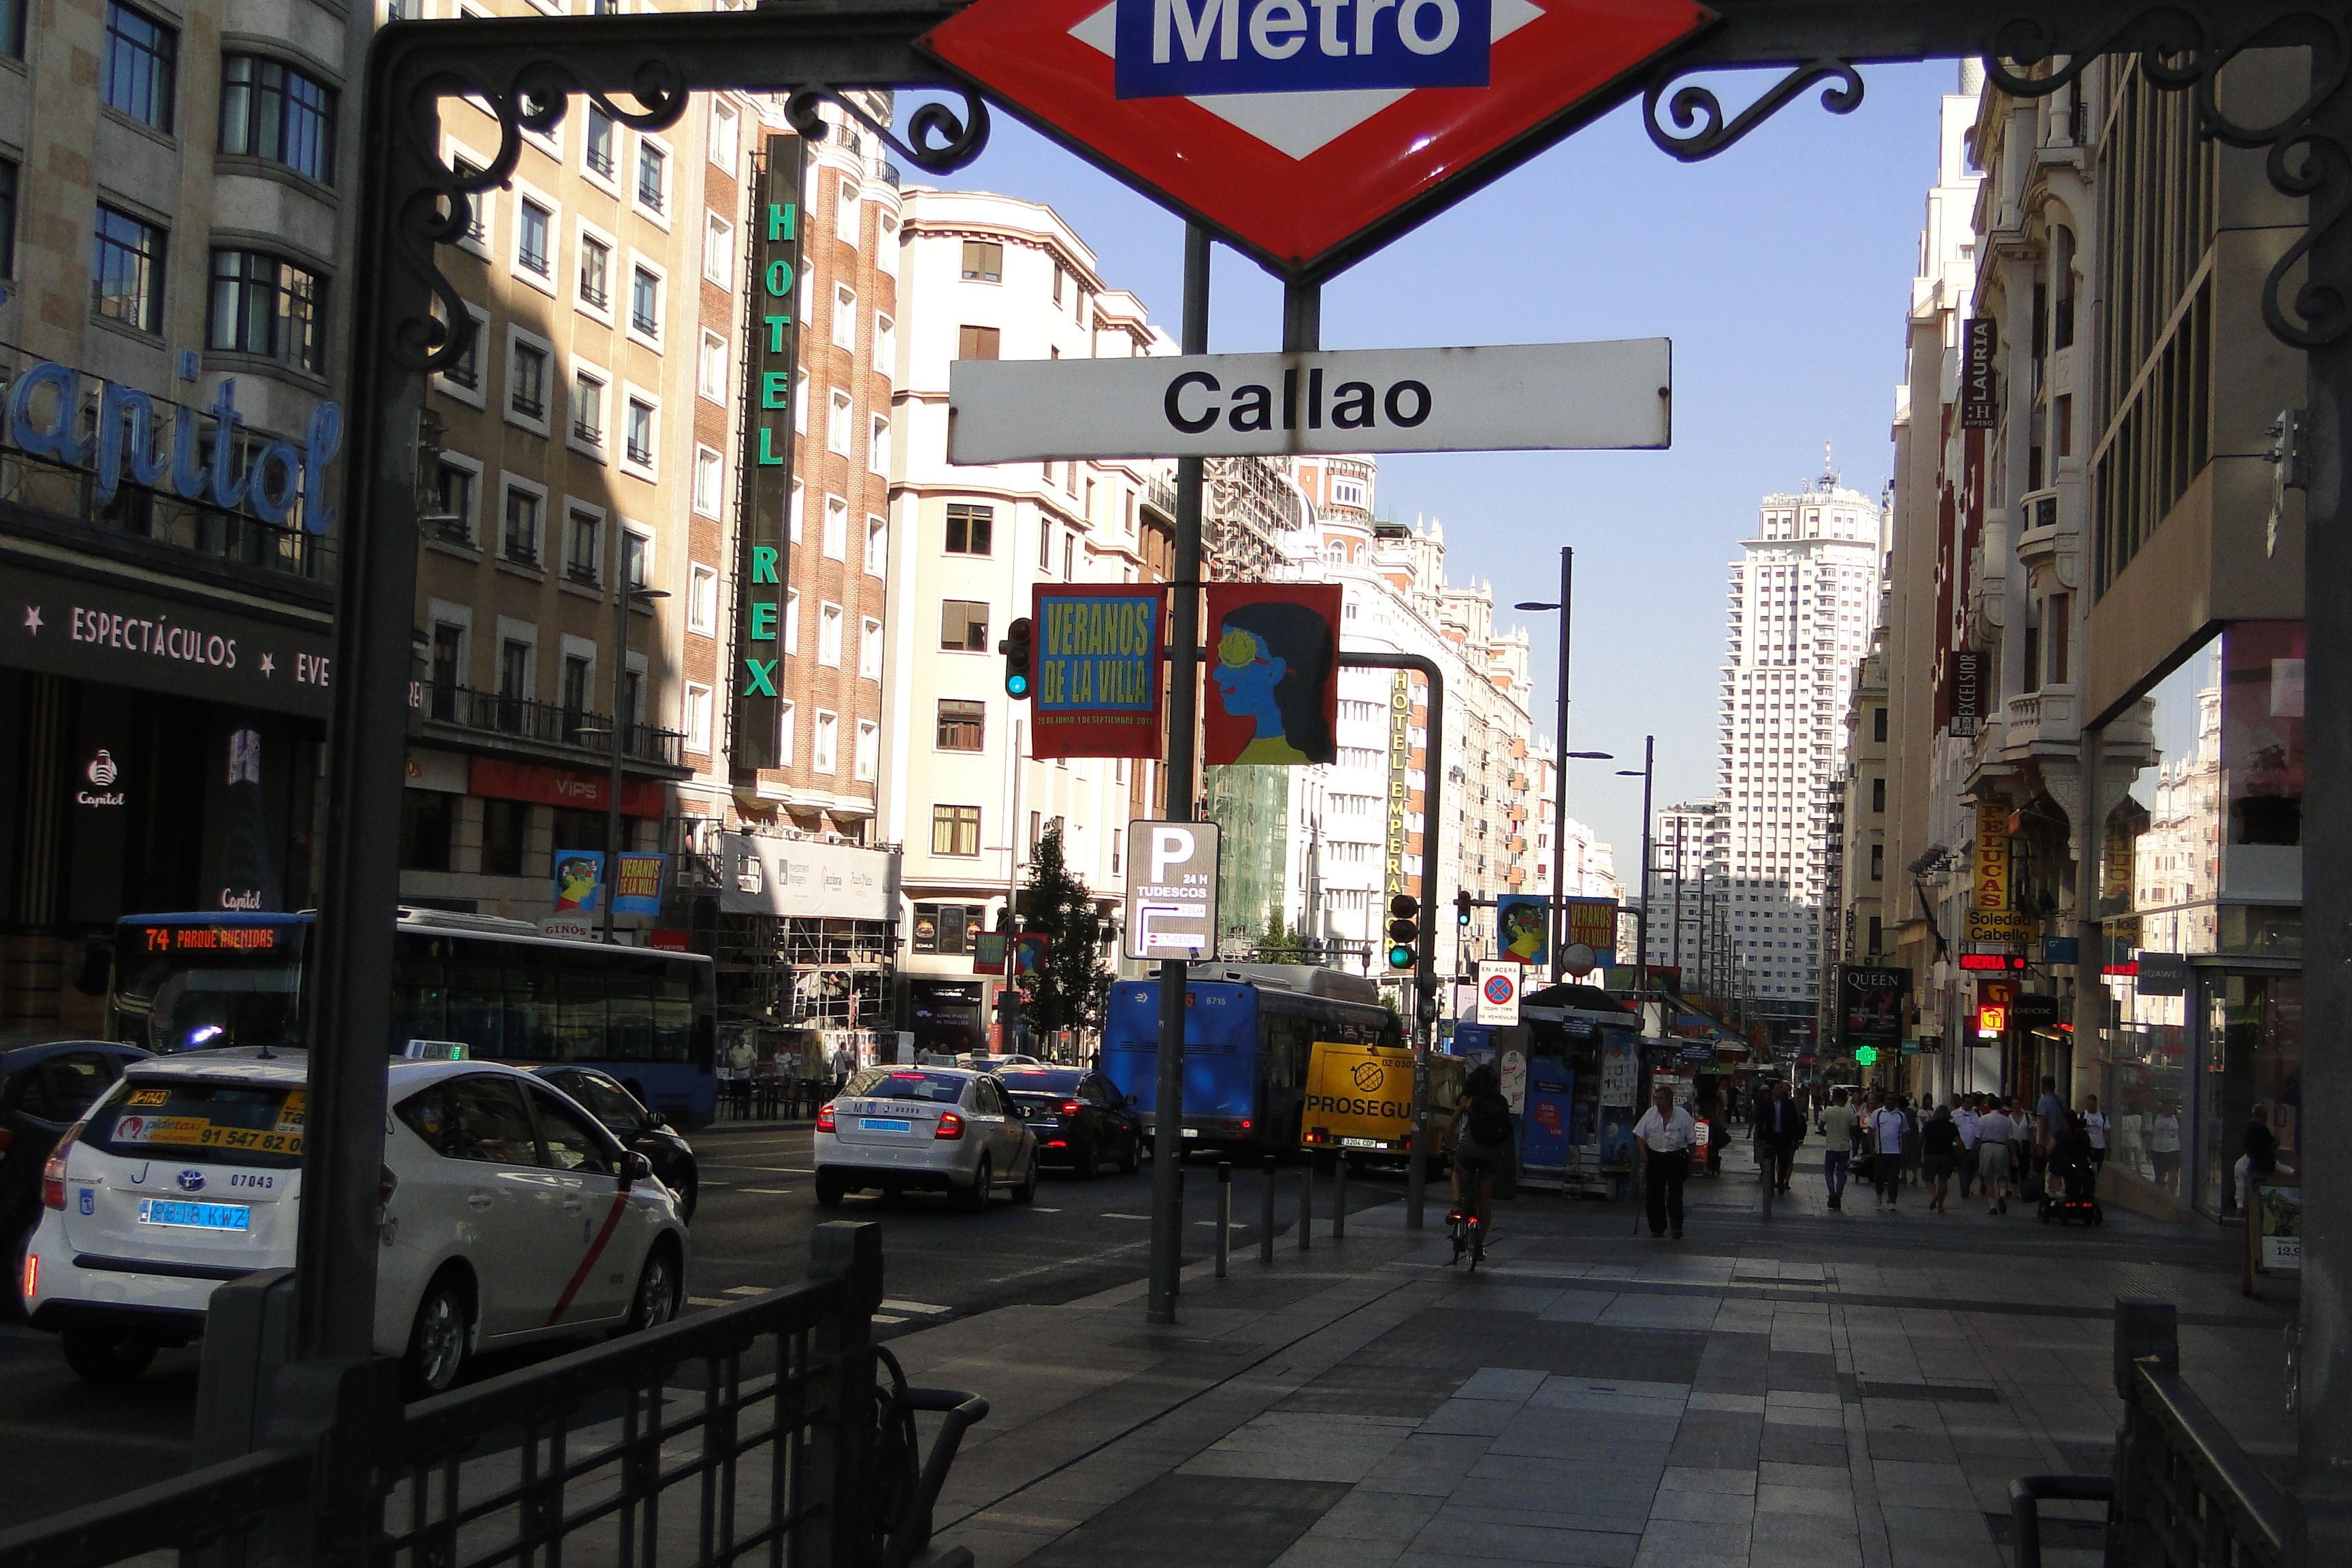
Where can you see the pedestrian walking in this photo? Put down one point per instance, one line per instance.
(1964, 1118)
(2164, 1145)
(1887, 1128)
(1939, 1155)
(1665, 1135)
(2050, 1113)
(1779, 1130)
(2095, 1126)
(1911, 1118)
(1837, 1146)
(1995, 1135)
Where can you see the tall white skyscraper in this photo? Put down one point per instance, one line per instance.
(1804, 598)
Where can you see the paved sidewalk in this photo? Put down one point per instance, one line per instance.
(1820, 1390)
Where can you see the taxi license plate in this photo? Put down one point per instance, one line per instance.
(195, 1217)
(884, 1124)
(1191, 1133)
(1360, 1143)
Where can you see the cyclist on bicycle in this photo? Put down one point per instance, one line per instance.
(1482, 1139)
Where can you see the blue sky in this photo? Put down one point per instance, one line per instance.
(1781, 270)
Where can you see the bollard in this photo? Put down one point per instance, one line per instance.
(1307, 1204)
(1224, 1214)
(1265, 1225)
(1339, 1199)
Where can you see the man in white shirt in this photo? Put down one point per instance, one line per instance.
(2094, 1122)
(1964, 1116)
(1665, 1135)
(1837, 1146)
(1887, 1126)
(1995, 1133)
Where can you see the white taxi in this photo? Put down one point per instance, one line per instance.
(924, 1129)
(509, 1214)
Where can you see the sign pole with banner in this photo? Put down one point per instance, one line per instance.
(764, 528)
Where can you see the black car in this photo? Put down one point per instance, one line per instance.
(628, 1119)
(44, 1090)
(1078, 1118)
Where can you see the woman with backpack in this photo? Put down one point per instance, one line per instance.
(1482, 1139)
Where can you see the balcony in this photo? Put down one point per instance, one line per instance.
(524, 720)
(2048, 721)
(51, 500)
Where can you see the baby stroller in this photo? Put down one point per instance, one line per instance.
(2070, 1191)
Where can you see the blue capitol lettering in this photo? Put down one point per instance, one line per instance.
(1181, 49)
(269, 483)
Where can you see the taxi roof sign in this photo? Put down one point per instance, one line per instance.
(1302, 130)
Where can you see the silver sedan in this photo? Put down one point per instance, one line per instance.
(925, 1129)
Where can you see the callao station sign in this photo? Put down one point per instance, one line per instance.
(1300, 130)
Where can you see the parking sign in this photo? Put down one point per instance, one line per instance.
(1172, 890)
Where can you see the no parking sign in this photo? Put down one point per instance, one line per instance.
(1498, 991)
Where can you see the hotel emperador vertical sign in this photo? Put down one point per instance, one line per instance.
(771, 361)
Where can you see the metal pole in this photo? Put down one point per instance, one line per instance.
(1340, 1198)
(1224, 1214)
(1559, 773)
(1307, 1204)
(1008, 995)
(1680, 823)
(1183, 665)
(612, 879)
(1642, 919)
(1266, 1220)
(2319, 1505)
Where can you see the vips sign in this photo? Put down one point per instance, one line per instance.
(1522, 397)
(1274, 688)
(762, 556)
(1096, 681)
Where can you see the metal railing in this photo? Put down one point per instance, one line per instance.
(759, 1431)
(2183, 1494)
(162, 517)
(551, 724)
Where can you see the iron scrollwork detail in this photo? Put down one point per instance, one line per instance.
(441, 213)
(940, 139)
(2306, 157)
(1695, 106)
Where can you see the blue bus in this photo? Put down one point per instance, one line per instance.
(1247, 1036)
(185, 982)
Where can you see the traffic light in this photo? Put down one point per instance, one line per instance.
(1015, 649)
(1404, 931)
(1462, 908)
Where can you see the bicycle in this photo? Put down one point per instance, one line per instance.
(1467, 1224)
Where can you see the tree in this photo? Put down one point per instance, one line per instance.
(1279, 943)
(1069, 989)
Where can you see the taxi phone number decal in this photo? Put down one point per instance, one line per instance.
(195, 1133)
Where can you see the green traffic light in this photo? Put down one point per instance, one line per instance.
(1400, 957)
(1016, 685)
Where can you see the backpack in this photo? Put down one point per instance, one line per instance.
(1490, 1121)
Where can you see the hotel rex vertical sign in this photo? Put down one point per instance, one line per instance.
(771, 360)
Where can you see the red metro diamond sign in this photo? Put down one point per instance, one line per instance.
(1294, 127)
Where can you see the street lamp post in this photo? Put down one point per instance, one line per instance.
(1558, 924)
(625, 593)
(1647, 774)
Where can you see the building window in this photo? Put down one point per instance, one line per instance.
(963, 627)
(962, 726)
(453, 503)
(869, 648)
(725, 146)
(8, 210)
(697, 718)
(425, 829)
(267, 306)
(978, 343)
(1878, 862)
(844, 213)
(467, 370)
(837, 528)
(505, 824)
(984, 261)
(1878, 723)
(845, 318)
(828, 636)
(597, 151)
(955, 830)
(877, 546)
(587, 409)
(520, 544)
(127, 279)
(837, 427)
(269, 110)
(645, 303)
(12, 28)
(970, 530)
(639, 435)
(708, 481)
(886, 344)
(595, 272)
(710, 368)
(824, 738)
(702, 600)
(574, 696)
(478, 203)
(581, 557)
(1878, 795)
(791, 638)
(796, 511)
(636, 558)
(140, 56)
(718, 251)
(530, 237)
(877, 449)
(868, 762)
(653, 176)
(527, 381)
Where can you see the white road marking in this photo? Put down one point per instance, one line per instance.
(887, 1318)
(708, 1301)
(916, 1308)
(1127, 1217)
(768, 1192)
(747, 1290)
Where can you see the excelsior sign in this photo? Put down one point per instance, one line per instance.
(1523, 397)
(1294, 127)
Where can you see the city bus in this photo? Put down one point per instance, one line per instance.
(186, 981)
(1248, 1032)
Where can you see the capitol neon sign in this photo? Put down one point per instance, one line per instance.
(129, 425)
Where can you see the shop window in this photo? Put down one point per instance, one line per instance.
(425, 829)
(505, 827)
